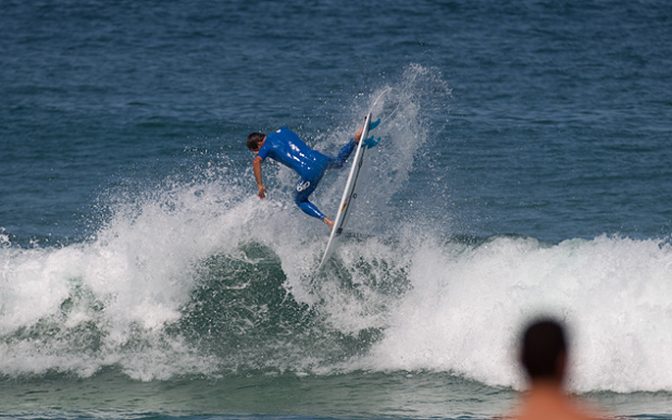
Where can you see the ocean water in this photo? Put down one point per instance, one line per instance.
(524, 169)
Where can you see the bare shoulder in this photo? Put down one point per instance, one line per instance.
(555, 409)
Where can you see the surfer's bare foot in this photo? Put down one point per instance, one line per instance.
(330, 223)
(358, 134)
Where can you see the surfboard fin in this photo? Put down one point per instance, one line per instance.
(371, 142)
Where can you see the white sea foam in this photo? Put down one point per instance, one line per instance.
(129, 282)
(467, 305)
(404, 107)
(461, 311)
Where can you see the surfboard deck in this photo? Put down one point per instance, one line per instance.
(348, 194)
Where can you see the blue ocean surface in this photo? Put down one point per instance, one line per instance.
(524, 168)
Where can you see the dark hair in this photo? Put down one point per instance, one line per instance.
(543, 343)
(253, 140)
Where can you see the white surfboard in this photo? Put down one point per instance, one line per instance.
(348, 193)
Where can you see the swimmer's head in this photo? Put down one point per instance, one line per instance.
(255, 140)
(544, 350)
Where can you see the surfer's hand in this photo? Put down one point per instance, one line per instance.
(262, 192)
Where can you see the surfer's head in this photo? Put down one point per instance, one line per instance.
(254, 141)
(544, 350)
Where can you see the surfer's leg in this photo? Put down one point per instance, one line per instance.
(347, 149)
(309, 208)
(343, 154)
(303, 190)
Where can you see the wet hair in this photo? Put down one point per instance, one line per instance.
(253, 140)
(544, 342)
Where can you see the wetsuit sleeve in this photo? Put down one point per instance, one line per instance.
(264, 151)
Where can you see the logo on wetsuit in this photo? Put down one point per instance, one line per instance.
(302, 186)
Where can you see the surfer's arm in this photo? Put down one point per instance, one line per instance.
(256, 166)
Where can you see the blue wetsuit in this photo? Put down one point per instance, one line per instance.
(286, 147)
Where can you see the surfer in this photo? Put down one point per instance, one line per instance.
(286, 147)
(544, 357)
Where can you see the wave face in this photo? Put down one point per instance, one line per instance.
(202, 277)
